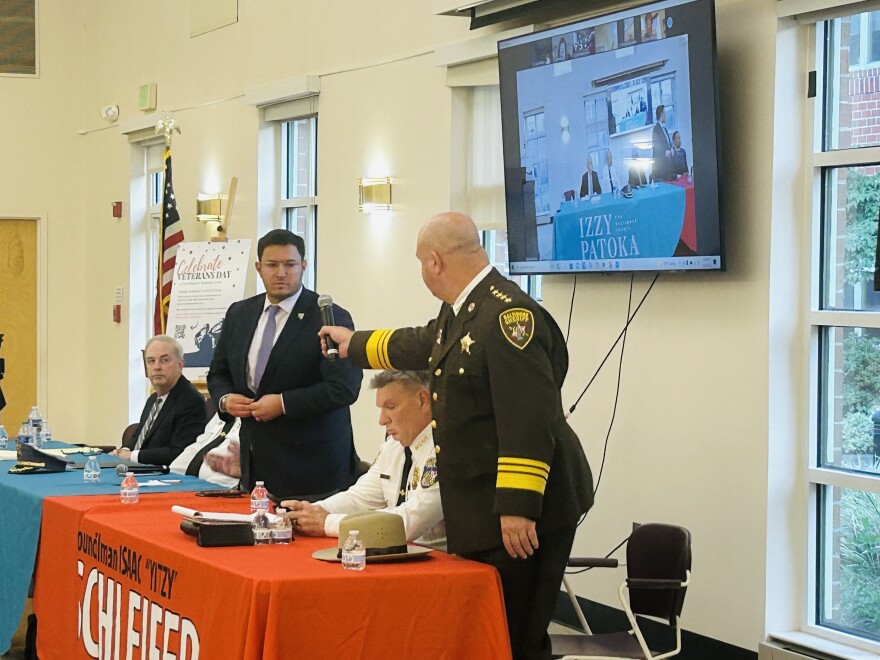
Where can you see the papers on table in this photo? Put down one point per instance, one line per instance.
(192, 514)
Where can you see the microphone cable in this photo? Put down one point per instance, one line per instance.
(617, 391)
(614, 345)
(571, 308)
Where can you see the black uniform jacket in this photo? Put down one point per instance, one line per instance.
(503, 444)
(309, 450)
(180, 421)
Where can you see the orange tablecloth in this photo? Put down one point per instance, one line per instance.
(112, 576)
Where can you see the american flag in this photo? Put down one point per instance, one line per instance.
(170, 234)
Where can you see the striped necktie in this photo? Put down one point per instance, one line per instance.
(154, 412)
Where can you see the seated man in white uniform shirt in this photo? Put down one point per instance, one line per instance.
(214, 455)
(402, 479)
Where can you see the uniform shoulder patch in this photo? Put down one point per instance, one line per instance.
(429, 474)
(518, 326)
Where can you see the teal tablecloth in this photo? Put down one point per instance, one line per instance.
(645, 226)
(21, 506)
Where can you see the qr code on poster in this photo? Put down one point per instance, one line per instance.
(180, 331)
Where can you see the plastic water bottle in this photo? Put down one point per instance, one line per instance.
(35, 419)
(259, 498)
(281, 530)
(260, 527)
(354, 555)
(45, 433)
(128, 490)
(4, 437)
(92, 472)
(24, 433)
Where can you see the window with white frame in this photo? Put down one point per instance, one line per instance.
(495, 244)
(155, 186)
(299, 202)
(844, 470)
(861, 32)
(478, 172)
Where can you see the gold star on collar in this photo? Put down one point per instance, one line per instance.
(466, 343)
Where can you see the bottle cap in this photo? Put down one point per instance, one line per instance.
(129, 474)
(353, 532)
(279, 510)
(259, 483)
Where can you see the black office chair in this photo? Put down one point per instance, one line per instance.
(658, 563)
(568, 195)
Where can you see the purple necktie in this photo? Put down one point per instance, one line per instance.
(266, 344)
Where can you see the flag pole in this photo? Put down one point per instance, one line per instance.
(166, 125)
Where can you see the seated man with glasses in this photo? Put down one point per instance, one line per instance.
(174, 414)
(268, 371)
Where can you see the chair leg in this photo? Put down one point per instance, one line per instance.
(632, 620)
(577, 608)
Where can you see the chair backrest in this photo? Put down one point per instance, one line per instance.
(658, 551)
(128, 434)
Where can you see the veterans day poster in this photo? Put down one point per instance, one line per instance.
(208, 278)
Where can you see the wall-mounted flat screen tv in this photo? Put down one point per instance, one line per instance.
(611, 148)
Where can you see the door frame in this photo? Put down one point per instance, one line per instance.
(42, 301)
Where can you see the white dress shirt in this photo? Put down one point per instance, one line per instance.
(378, 490)
(214, 427)
(470, 287)
(284, 309)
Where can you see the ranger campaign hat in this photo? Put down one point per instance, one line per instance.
(382, 534)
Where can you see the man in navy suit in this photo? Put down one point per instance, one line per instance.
(590, 181)
(661, 145)
(679, 156)
(174, 414)
(268, 370)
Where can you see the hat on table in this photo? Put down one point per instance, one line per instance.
(381, 533)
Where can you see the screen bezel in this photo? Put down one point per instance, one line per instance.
(705, 71)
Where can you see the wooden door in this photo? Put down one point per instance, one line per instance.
(18, 319)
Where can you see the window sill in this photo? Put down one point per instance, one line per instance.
(802, 641)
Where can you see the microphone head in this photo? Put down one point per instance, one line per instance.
(121, 470)
(325, 301)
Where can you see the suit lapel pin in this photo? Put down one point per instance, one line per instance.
(471, 307)
(440, 337)
(300, 315)
(466, 343)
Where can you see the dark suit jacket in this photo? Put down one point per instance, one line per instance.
(309, 450)
(498, 412)
(662, 165)
(679, 161)
(180, 421)
(585, 190)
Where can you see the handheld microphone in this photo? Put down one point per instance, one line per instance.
(325, 304)
(121, 469)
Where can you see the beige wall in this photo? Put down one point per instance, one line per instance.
(690, 443)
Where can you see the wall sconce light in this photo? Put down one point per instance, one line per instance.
(209, 207)
(375, 194)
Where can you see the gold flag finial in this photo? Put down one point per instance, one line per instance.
(167, 125)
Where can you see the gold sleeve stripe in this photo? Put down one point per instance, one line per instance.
(377, 351)
(521, 482)
(521, 469)
(383, 349)
(527, 462)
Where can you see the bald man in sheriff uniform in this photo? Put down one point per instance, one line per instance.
(515, 478)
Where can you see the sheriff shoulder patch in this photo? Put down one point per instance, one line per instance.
(429, 475)
(518, 326)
